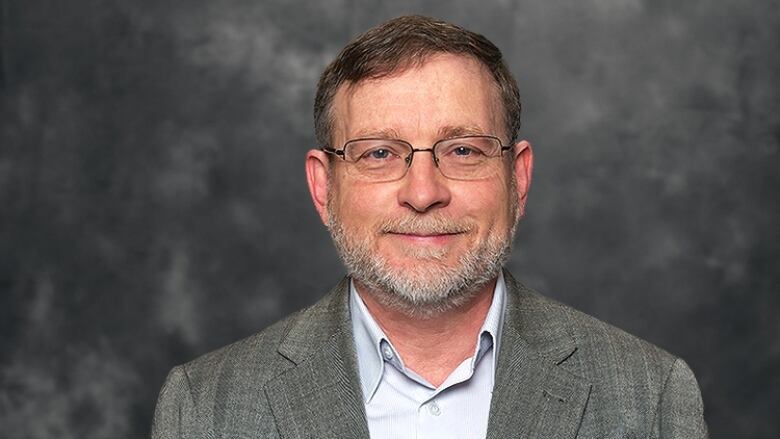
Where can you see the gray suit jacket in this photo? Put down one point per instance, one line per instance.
(560, 374)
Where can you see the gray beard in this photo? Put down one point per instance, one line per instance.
(430, 287)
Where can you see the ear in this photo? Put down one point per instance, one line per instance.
(317, 176)
(523, 167)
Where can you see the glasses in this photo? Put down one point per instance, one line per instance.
(458, 158)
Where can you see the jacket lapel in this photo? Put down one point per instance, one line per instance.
(319, 397)
(535, 395)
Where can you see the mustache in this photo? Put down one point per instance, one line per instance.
(425, 225)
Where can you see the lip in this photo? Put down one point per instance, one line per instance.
(425, 239)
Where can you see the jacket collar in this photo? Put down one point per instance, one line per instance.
(320, 395)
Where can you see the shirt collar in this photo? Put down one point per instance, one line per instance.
(371, 341)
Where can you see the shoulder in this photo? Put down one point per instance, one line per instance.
(256, 355)
(633, 383)
(196, 394)
(599, 348)
(276, 348)
(225, 387)
(254, 360)
(611, 349)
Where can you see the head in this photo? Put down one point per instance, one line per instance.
(402, 43)
(423, 243)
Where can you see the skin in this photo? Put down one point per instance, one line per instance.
(447, 95)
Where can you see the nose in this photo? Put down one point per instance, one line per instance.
(424, 188)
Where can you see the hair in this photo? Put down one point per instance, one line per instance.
(402, 43)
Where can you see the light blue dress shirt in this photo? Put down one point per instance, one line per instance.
(400, 404)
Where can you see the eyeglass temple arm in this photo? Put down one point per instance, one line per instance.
(338, 152)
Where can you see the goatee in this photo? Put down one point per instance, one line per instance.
(430, 285)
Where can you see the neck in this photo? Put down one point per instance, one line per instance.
(433, 346)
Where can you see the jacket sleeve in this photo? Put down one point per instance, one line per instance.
(680, 408)
(175, 406)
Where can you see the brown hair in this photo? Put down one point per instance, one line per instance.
(403, 42)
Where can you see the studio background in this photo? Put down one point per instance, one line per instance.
(153, 204)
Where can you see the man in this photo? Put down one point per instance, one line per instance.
(421, 181)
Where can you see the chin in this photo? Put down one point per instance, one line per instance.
(426, 288)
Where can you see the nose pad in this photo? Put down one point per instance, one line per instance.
(410, 157)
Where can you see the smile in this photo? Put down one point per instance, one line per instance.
(425, 238)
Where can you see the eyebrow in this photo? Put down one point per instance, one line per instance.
(459, 130)
(387, 133)
(443, 133)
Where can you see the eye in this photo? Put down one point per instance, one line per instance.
(463, 150)
(379, 153)
(374, 152)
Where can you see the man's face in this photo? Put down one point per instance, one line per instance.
(423, 243)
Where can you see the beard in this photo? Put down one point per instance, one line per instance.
(429, 285)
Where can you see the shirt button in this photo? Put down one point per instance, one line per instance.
(434, 409)
(387, 352)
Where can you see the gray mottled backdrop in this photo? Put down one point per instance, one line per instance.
(153, 204)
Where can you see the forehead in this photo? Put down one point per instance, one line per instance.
(445, 95)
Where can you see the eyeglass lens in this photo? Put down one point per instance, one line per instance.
(465, 158)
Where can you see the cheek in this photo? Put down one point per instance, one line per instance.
(362, 206)
(480, 194)
(490, 203)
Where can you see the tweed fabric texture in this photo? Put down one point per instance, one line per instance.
(560, 374)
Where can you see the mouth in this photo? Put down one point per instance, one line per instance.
(425, 238)
(422, 234)
(429, 231)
